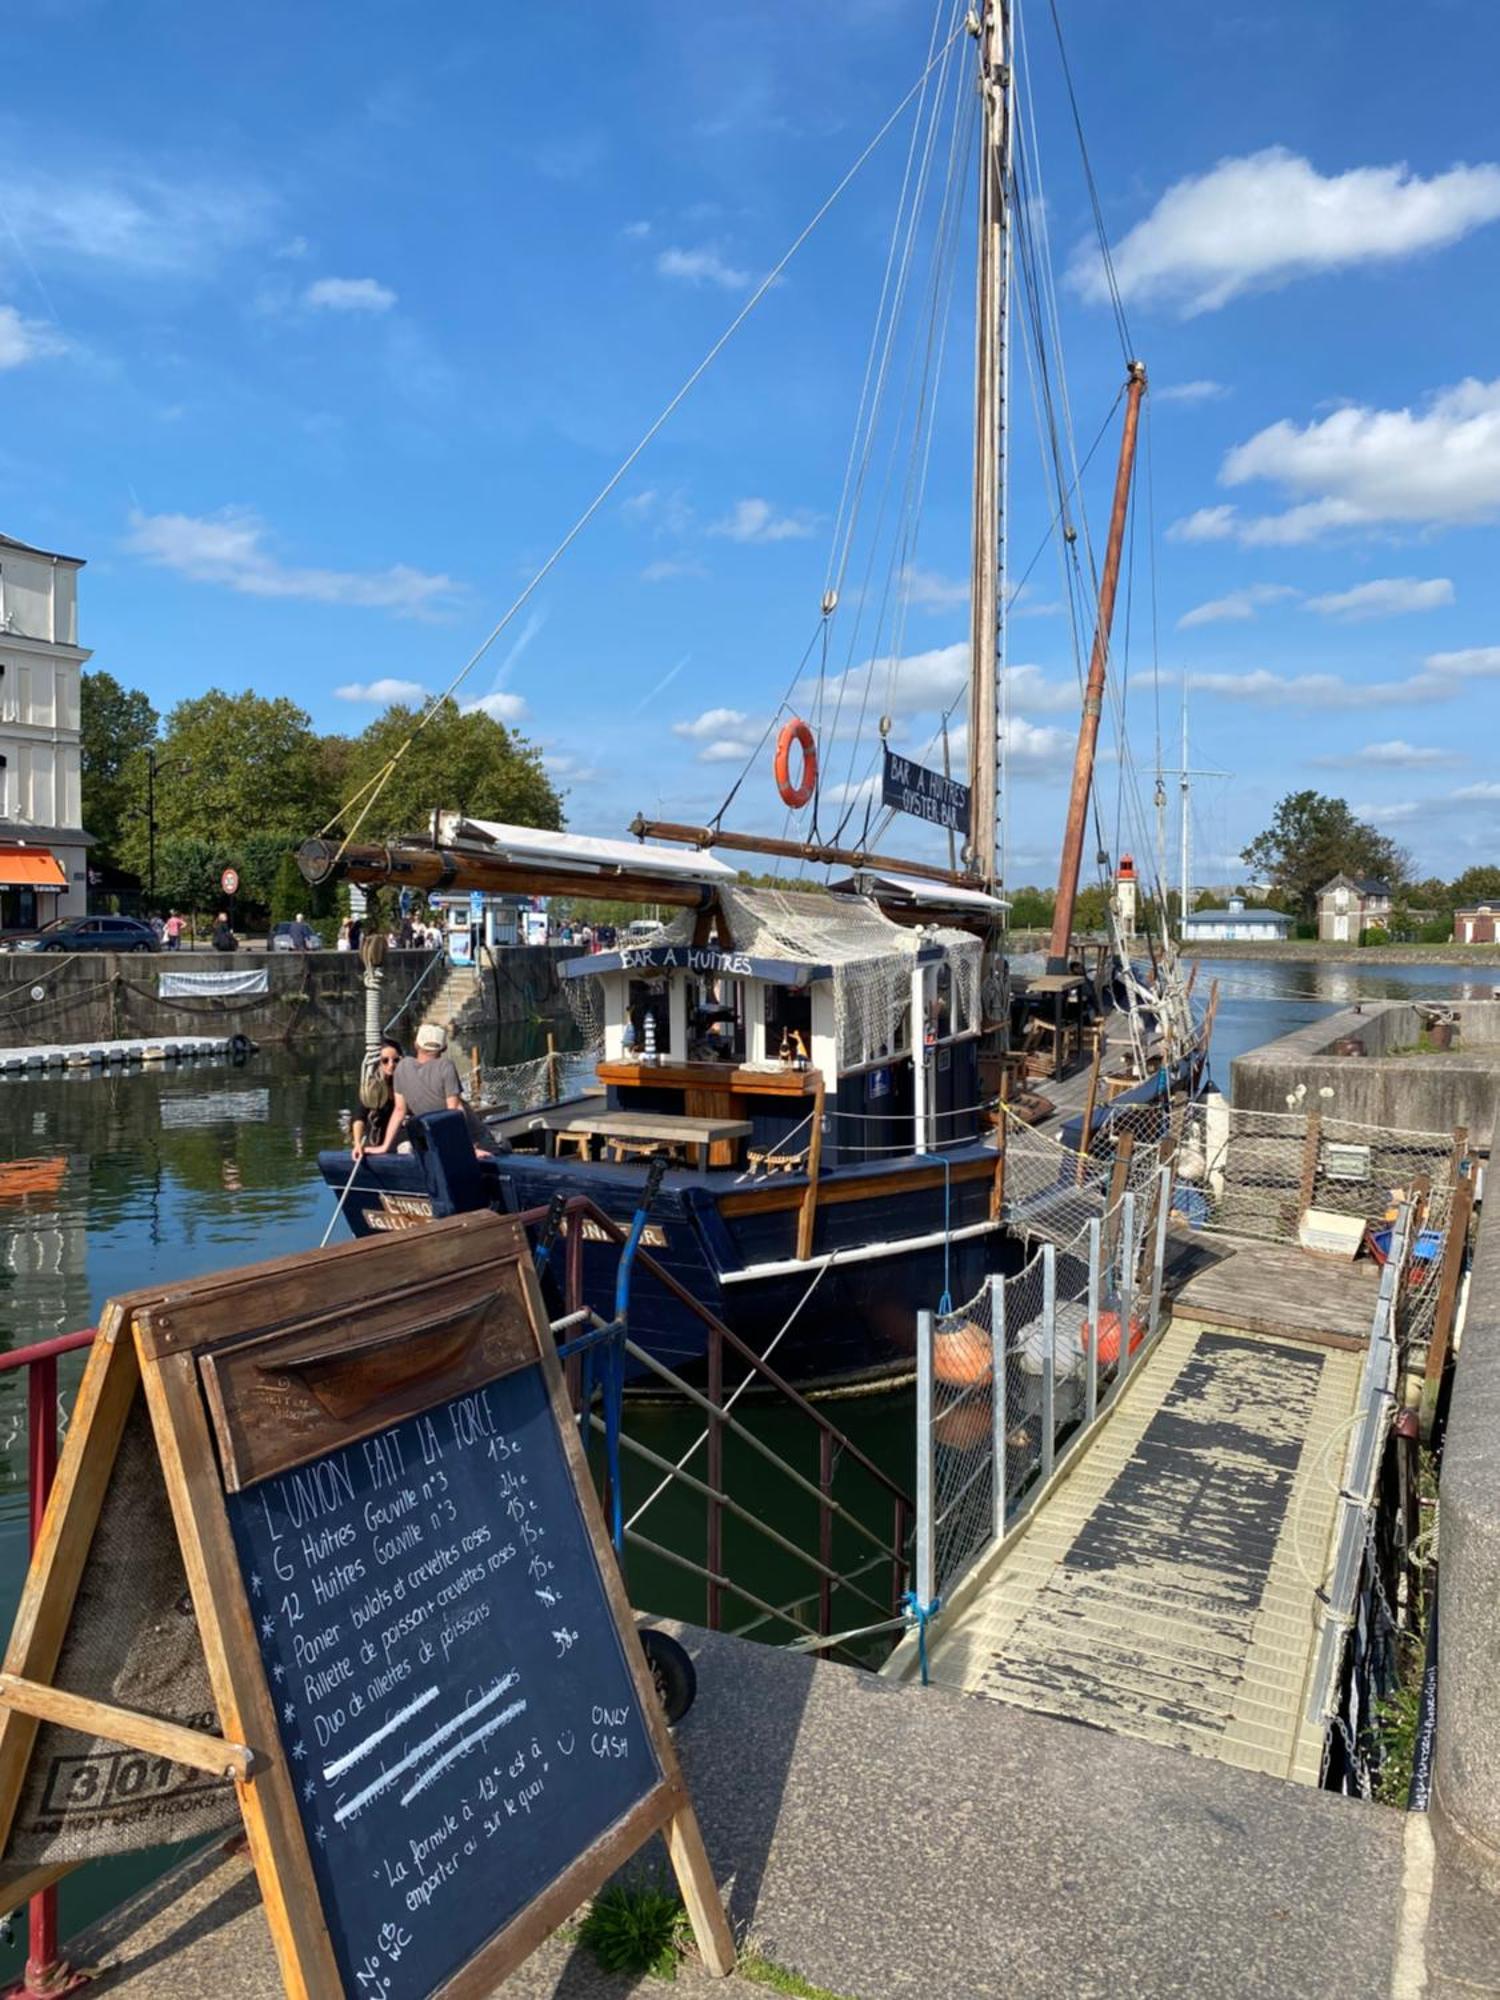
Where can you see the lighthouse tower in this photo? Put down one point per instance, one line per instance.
(1125, 892)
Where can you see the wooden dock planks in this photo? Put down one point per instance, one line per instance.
(1279, 1289)
(1167, 1588)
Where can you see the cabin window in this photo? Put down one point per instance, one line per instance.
(649, 996)
(788, 1020)
(716, 1020)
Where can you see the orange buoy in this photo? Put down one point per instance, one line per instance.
(796, 734)
(965, 1425)
(961, 1357)
(1109, 1335)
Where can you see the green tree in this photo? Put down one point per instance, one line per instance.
(1031, 909)
(289, 893)
(1311, 839)
(1475, 885)
(117, 724)
(233, 768)
(462, 762)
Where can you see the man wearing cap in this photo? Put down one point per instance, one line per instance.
(423, 1084)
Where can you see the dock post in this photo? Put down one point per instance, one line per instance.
(998, 1415)
(1049, 1357)
(1127, 1287)
(1091, 1364)
(1159, 1248)
(926, 1586)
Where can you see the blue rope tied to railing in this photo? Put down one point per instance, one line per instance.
(921, 1615)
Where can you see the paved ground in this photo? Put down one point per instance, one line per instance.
(886, 1840)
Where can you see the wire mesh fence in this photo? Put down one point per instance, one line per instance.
(544, 1079)
(1007, 1380)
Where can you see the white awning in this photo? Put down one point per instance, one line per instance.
(583, 851)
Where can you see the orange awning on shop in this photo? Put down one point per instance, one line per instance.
(31, 868)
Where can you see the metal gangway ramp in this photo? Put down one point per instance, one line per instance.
(1164, 1551)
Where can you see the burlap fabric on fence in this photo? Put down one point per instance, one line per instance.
(132, 1640)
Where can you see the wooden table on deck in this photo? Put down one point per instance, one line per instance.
(646, 1128)
(714, 1090)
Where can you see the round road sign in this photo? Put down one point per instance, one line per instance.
(229, 881)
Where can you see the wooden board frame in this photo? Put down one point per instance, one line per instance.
(159, 1343)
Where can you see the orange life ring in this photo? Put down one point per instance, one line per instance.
(796, 732)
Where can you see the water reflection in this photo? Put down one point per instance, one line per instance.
(1260, 999)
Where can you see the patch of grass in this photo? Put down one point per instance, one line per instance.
(1395, 1721)
(759, 1971)
(637, 1927)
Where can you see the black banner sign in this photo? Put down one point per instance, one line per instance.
(925, 794)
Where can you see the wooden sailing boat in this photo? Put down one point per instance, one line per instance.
(821, 1072)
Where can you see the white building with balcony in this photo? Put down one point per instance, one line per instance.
(43, 847)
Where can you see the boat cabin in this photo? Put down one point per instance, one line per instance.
(776, 1013)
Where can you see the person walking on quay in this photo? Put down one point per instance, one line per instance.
(174, 928)
(427, 1083)
(377, 1098)
(302, 934)
(223, 938)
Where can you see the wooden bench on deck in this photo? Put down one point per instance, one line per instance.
(633, 1134)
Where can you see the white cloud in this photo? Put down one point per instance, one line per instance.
(1269, 217)
(758, 521)
(383, 691)
(636, 232)
(862, 792)
(1237, 606)
(1208, 524)
(701, 267)
(724, 750)
(563, 764)
(712, 722)
(1364, 470)
(23, 340)
(928, 591)
(1033, 743)
(671, 567)
(1190, 392)
(1443, 676)
(133, 220)
(501, 706)
(363, 295)
(1385, 597)
(1396, 755)
(229, 549)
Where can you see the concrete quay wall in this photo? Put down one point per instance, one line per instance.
(100, 996)
(1405, 1093)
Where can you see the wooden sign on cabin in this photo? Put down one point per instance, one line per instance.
(431, 1695)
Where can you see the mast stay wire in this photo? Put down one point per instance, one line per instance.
(370, 791)
(1117, 304)
(897, 428)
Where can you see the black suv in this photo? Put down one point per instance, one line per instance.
(83, 934)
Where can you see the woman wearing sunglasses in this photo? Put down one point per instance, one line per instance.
(377, 1099)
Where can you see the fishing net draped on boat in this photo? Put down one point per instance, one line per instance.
(870, 958)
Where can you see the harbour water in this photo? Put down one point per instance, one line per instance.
(149, 1176)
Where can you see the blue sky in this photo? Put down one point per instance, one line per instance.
(319, 328)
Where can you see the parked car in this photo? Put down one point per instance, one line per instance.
(83, 934)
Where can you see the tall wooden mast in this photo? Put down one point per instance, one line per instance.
(993, 32)
(1093, 700)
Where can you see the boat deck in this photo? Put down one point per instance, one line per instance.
(1167, 1588)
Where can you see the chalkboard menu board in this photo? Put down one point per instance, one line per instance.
(430, 1695)
(450, 1685)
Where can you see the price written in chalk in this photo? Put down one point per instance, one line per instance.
(451, 1688)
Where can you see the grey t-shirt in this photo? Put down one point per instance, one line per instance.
(427, 1086)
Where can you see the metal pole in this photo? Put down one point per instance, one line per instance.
(926, 1496)
(1127, 1288)
(998, 1418)
(919, 1057)
(1159, 1248)
(1049, 1356)
(1096, 1255)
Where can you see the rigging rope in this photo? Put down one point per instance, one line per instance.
(376, 785)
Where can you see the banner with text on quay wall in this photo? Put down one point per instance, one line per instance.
(911, 788)
(179, 985)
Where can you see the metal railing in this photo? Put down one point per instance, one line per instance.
(439, 957)
(1013, 1383)
(45, 1973)
(844, 1564)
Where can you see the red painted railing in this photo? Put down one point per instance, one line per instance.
(45, 1975)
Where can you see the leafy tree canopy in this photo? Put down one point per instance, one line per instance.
(117, 723)
(1311, 839)
(461, 762)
